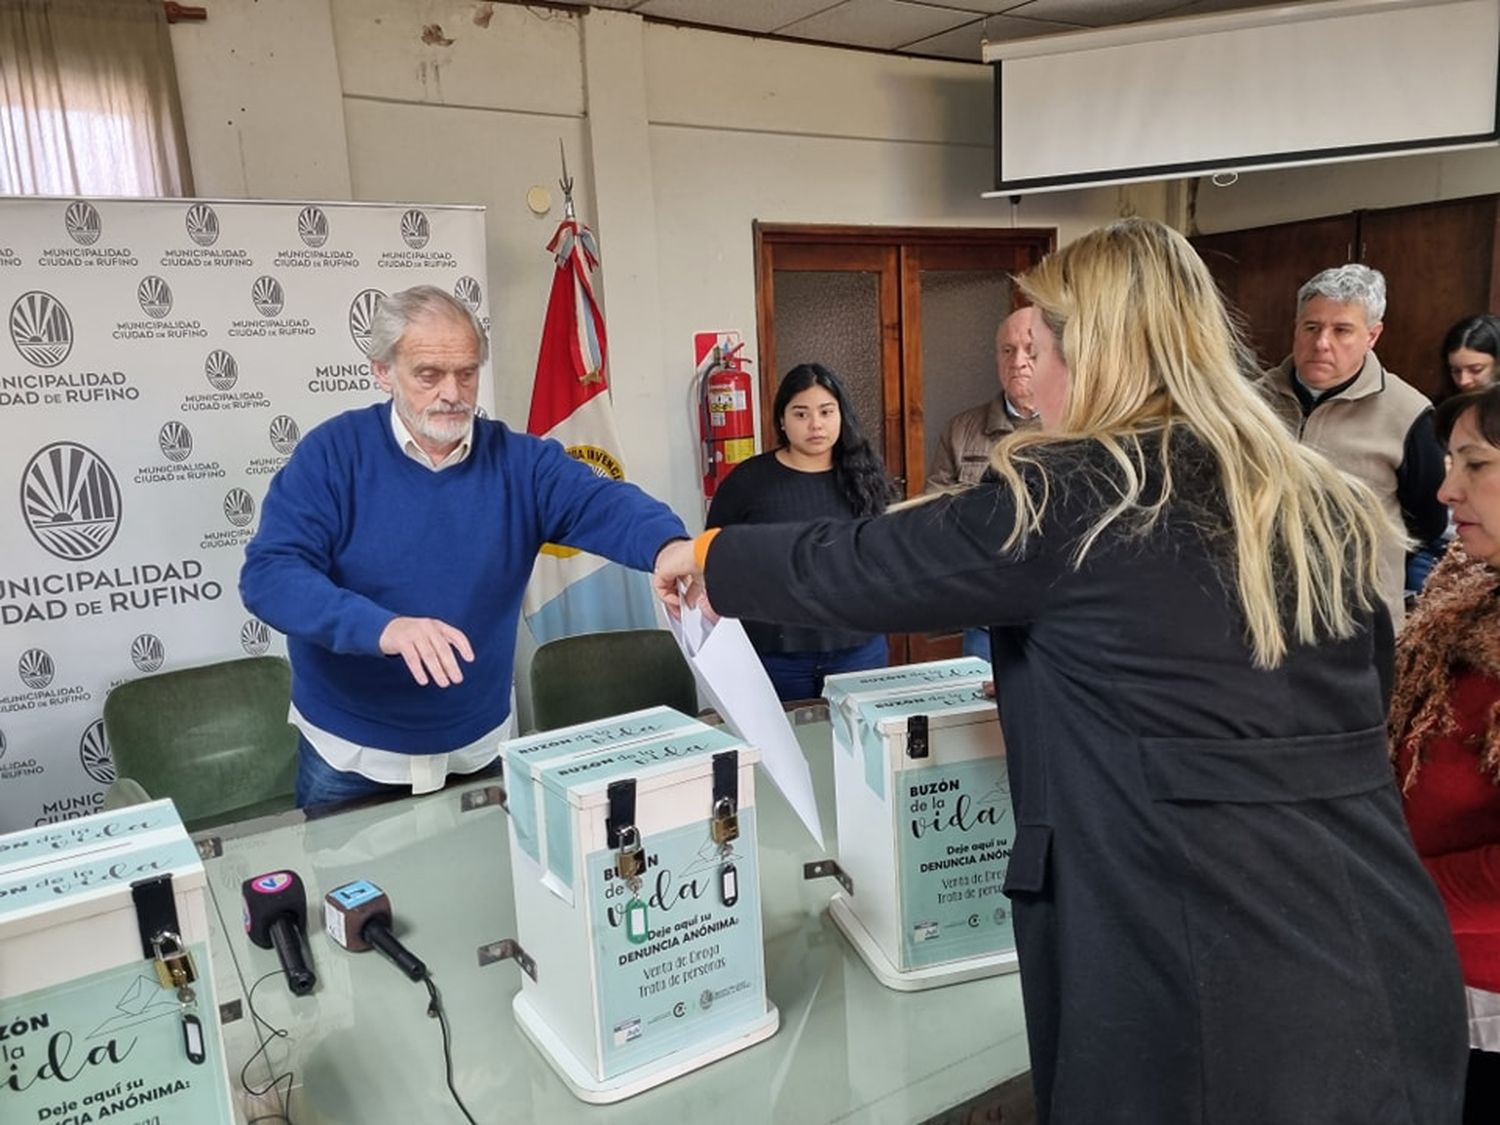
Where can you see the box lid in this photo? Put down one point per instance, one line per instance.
(682, 756)
(82, 881)
(934, 673)
(524, 758)
(523, 754)
(75, 837)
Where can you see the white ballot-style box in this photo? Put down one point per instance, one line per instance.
(925, 826)
(634, 862)
(107, 998)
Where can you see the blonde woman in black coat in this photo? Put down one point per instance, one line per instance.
(1219, 912)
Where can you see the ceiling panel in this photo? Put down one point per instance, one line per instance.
(941, 28)
(964, 42)
(876, 23)
(1095, 13)
(742, 15)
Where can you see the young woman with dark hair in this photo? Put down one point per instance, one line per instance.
(823, 467)
(1469, 353)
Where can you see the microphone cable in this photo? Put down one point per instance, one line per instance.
(435, 1010)
(287, 1076)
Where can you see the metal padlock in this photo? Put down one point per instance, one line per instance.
(173, 962)
(724, 827)
(630, 860)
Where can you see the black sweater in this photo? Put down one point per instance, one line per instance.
(763, 490)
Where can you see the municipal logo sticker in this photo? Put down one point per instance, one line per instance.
(147, 653)
(2, 744)
(82, 221)
(221, 370)
(94, 755)
(255, 638)
(71, 501)
(155, 296)
(312, 227)
(267, 295)
(176, 442)
(467, 290)
(41, 329)
(202, 224)
(284, 434)
(362, 317)
(239, 507)
(415, 229)
(35, 668)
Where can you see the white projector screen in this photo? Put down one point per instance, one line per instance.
(1268, 87)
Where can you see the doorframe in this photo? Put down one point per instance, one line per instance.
(901, 251)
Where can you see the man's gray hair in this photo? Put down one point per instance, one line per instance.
(394, 314)
(1346, 285)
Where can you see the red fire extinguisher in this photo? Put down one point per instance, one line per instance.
(726, 420)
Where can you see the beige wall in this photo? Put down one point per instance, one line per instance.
(678, 139)
(1261, 198)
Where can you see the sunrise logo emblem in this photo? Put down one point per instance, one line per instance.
(415, 229)
(83, 223)
(94, 755)
(255, 638)
(35, 668)
(71, 501)
(155, 297)
(239, 507)
(362, 317)
(202, 224)
(284, 434)
(176, 442)
(221, 370)
(312, 227)
(267, 295)
(147, 653)
(467, 290)
(41, 329)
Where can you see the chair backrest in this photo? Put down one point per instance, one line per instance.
(215, 739)
(595, 675)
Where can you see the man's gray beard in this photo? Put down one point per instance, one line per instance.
(428, 425)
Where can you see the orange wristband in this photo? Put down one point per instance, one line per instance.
(700, 547)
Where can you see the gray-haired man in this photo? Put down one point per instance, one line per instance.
(393, 550)
(1338, 398)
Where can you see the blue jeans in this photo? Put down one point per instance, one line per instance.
(799, 675)
(318, 783)
(977, 643)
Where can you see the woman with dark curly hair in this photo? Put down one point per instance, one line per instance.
(1445, 726)
(823, 467)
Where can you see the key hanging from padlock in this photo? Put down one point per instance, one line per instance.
(173, 963)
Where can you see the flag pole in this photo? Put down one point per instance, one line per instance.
(566, 183)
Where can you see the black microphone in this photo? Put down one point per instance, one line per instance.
(357, 916)
(275, 916)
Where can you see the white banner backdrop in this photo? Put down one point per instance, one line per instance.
(161, 360)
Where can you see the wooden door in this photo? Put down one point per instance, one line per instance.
(1439, 264)
(1260, 269)
(883, 307)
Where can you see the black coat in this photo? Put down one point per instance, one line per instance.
(1220, 916)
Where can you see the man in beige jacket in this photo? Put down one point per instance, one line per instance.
(964, 451)
(1337, 397)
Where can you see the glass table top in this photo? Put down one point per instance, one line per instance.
(362, 1049)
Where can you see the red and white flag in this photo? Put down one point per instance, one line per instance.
(571, 591)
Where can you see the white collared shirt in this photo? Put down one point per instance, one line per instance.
(423, 772)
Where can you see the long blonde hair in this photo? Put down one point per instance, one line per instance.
(1151, 350)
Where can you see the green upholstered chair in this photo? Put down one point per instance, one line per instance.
(214, 739)
(595, 675)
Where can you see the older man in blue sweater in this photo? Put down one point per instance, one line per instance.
(393, 551)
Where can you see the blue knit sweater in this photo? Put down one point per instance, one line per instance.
(354, 533)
